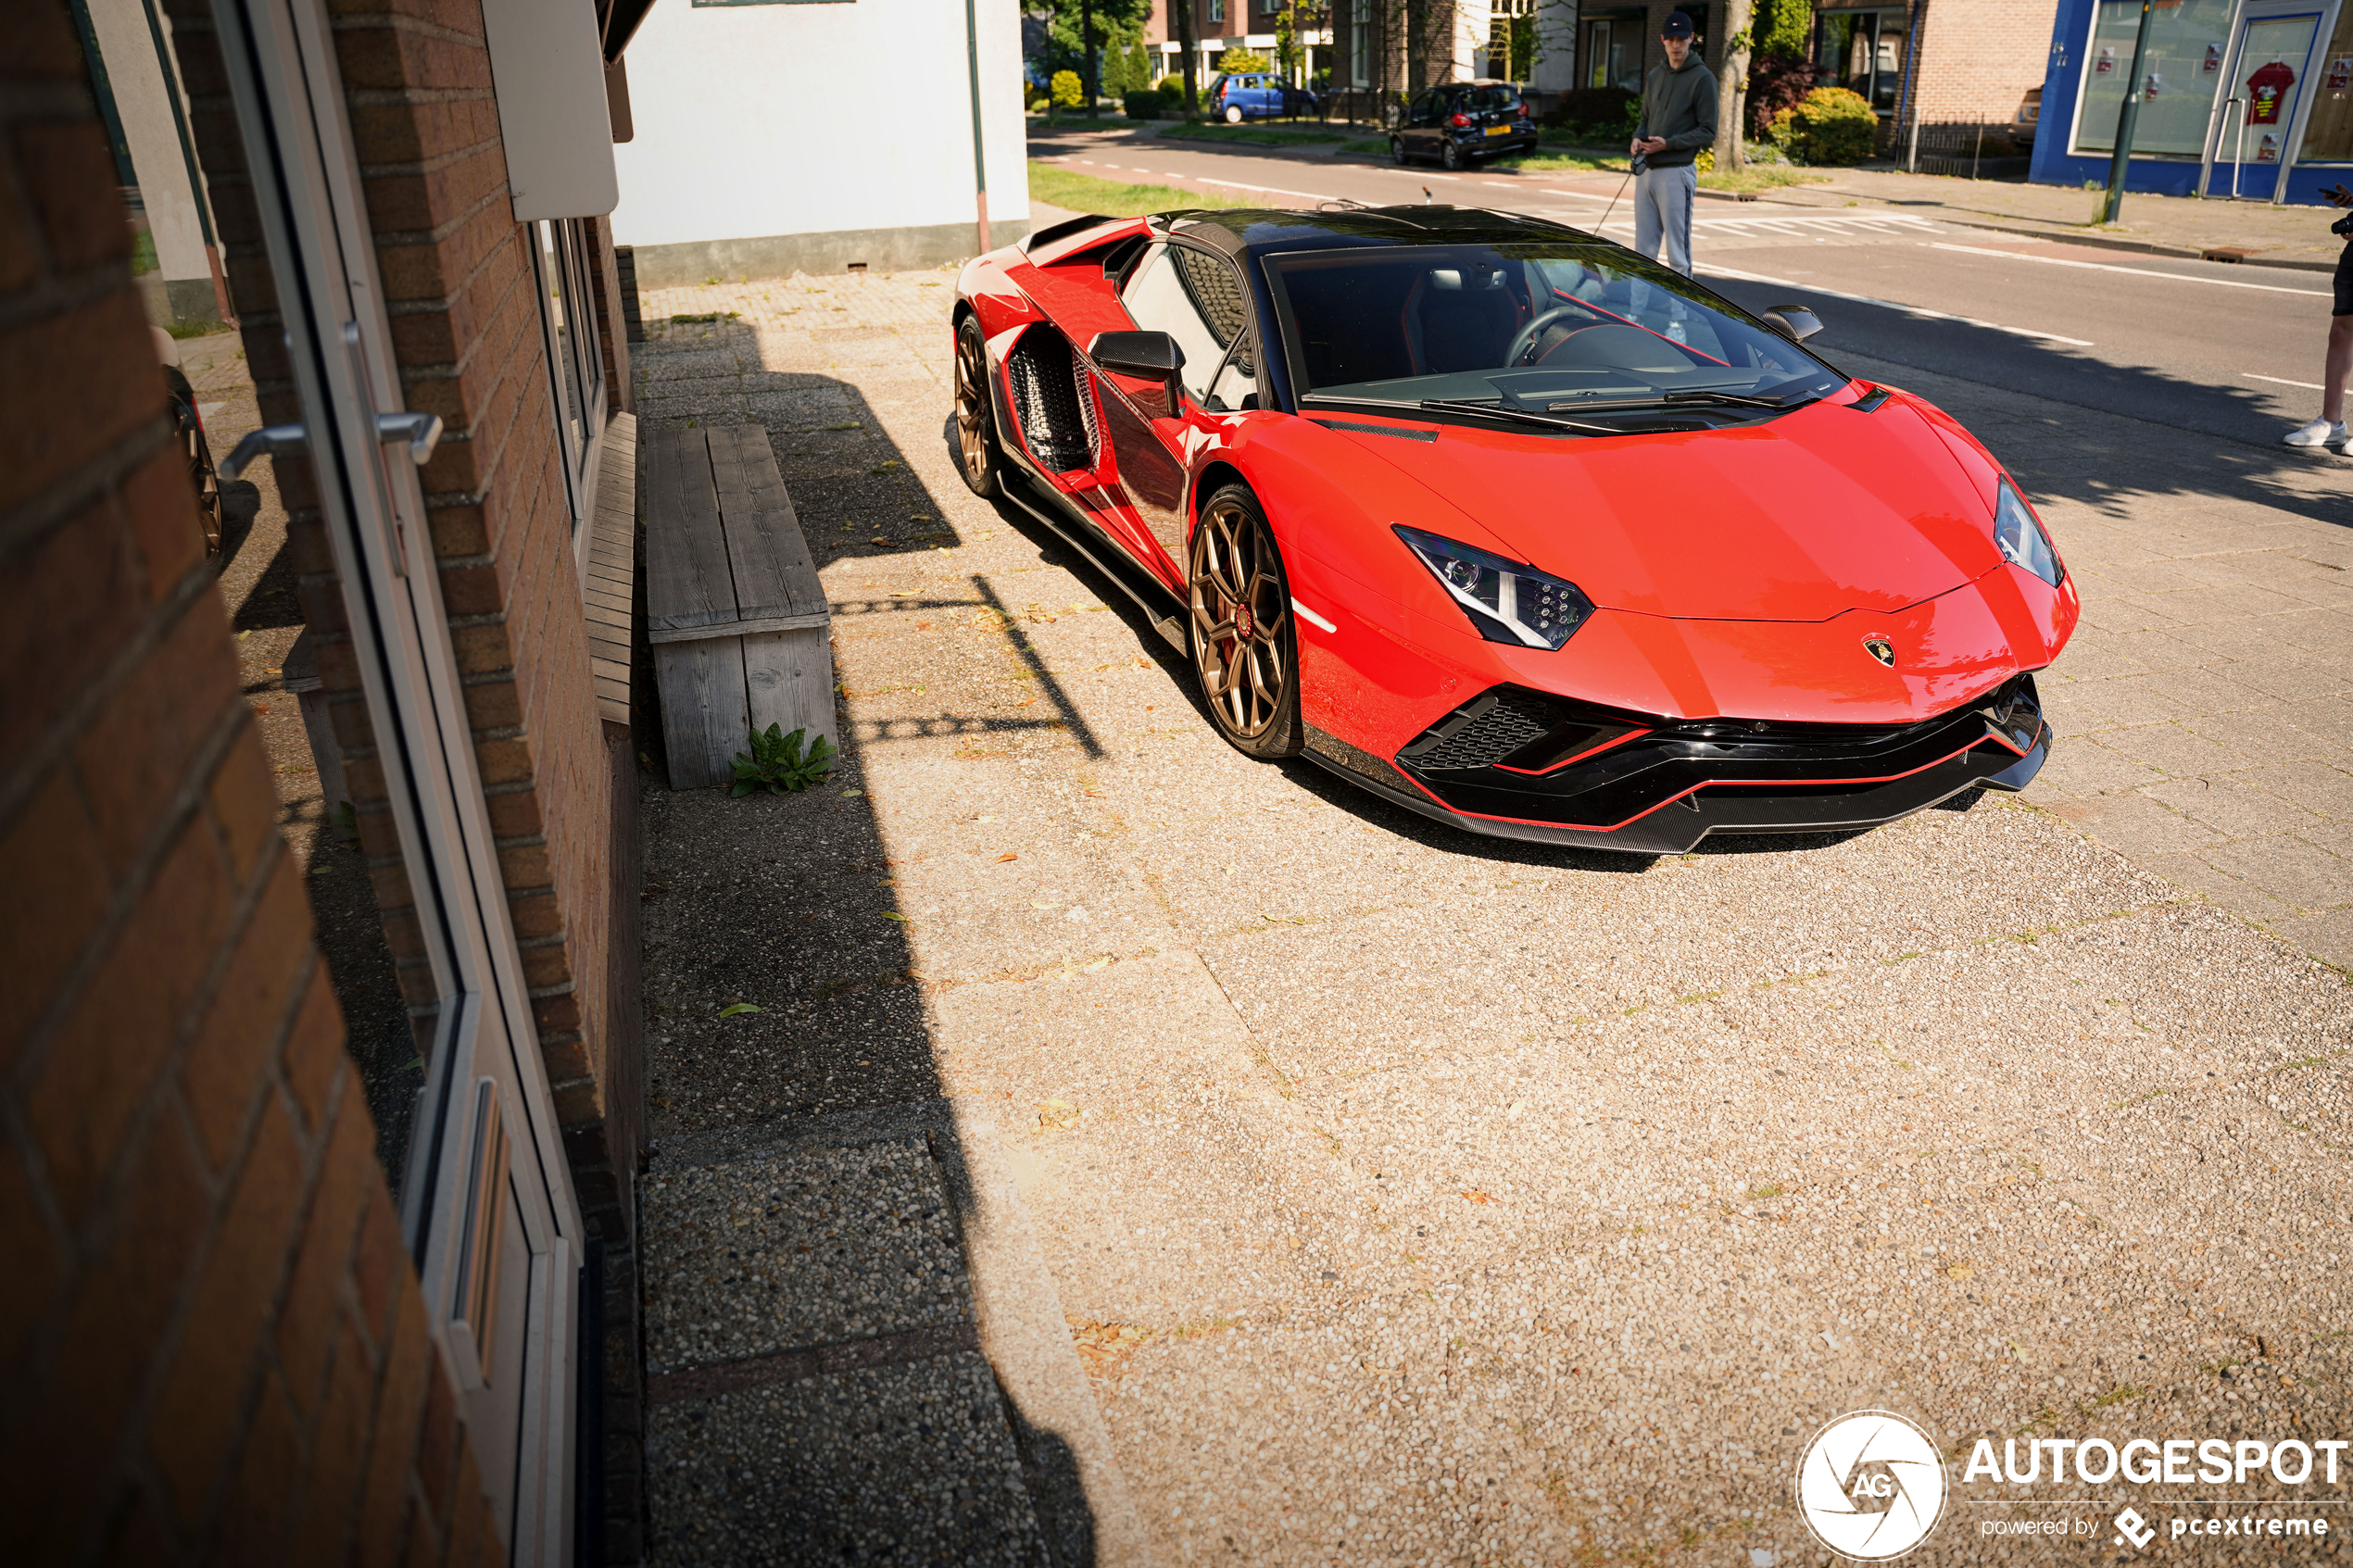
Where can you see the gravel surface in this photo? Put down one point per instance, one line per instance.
(1414, 1198)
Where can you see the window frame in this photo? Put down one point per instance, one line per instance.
(573, 349)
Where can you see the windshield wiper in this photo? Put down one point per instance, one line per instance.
(1497, 410)
(1669, 399)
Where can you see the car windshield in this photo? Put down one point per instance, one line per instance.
(1557, 327)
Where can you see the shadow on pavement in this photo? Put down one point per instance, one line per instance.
(822, 1379)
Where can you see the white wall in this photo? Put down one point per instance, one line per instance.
(142, 98)
(755, 120)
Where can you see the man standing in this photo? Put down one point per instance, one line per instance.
(2329, 429)
(1678, 119)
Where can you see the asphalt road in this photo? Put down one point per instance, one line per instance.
(2221, 350)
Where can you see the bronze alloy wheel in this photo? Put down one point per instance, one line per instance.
(975, 426)
(1244, 646)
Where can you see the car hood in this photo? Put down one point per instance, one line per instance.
(1823, 510)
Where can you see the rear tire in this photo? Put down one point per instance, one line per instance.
(1238, 627)
(1453, 156)
(1397, 150)
(1233, 114)
(976, 453)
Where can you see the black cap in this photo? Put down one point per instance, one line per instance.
(1677, 26)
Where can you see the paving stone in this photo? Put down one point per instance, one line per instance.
(2288, 869)
(783, 1251)
(903, 1464)
(2317, 786)
(2231, 807)
(2174, 750)
(2137, 825)
(2084, 765)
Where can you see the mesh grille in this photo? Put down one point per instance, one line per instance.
(1512, 722)
(1081, 380)
(1215, 291)
(1047, 404)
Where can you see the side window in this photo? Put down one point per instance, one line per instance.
(1237, 384)
(1420, 113)
(1195, 298)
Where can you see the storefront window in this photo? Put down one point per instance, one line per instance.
(2328, 135)
(2180, 76)
(1863, 52)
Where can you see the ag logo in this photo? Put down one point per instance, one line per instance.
(1871, 1485)
(1879, 648)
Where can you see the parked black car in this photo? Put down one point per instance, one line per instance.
(1461, 121)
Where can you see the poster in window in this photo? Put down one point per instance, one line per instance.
(2340, 75)
(2267, 92)
(2178, 105)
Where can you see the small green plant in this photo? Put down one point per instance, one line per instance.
(777, 764)
(710, 315)
(347, 824)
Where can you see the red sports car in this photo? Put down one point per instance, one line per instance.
(1512, 527)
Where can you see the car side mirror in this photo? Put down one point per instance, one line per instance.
(1792, 321)
(1153, 356)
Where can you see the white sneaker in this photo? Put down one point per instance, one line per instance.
(2320, 432)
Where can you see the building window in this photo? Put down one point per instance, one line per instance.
(1218, 10)
(2182, 77)
(1614, 50)
(1863, 52)
(575, 358)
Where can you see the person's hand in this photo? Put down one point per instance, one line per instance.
(2338, 195)
(1648, 144)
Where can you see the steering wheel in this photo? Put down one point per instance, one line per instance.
(1534, 330)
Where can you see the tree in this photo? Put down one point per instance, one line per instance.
(1731, 82)
(1077, 30)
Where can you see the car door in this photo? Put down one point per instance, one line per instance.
(1421, 139)
(1198, 299)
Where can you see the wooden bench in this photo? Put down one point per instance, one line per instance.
(734, 611)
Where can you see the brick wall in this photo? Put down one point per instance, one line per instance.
(459, 293)
(1978, 57)
(212, 1341)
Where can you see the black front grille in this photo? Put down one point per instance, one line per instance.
(1527, 755)
(1482, 733)
(1045, 402)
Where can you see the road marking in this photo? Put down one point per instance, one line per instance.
(2136, 271)
(2306, 385)
(1907, 310)
(1265, 190)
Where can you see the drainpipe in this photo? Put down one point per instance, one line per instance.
(981, 161)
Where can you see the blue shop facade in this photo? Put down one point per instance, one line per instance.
(2246, 98)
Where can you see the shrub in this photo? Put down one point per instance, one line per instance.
(1068, 93)
(1172, 88)
(1236, 61)
(1778, 80)
(1831, 126)
(1602, 112)
(1144, 105)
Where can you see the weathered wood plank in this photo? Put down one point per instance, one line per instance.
(705, 720)
(773, 575)
(744, 628)
(789, 676)
(688, 581)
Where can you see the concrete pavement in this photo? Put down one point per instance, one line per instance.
(1405, 1196)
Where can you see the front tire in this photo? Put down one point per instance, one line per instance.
(1238, 627)
(976, 454)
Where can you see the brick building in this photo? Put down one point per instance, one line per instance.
(229, 1337)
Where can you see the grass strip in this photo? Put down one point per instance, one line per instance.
(1761, 177)
(1251, 135)
(1058, 186)
(1565, 163)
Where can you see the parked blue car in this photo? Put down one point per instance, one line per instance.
(1257, 95)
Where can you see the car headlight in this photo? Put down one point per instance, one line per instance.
(2019, 534)
(1507, 602)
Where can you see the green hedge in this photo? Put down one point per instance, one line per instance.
(1145, 104)
(1830, 126)
(1600, 112)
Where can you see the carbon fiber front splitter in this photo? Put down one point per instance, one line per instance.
(1674, 828)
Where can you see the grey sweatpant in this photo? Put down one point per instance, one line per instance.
(1663, 208)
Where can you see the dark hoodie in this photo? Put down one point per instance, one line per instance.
(1679, 105)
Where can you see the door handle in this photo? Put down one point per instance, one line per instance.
(422, 431)
(267, 442)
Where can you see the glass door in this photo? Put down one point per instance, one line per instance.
(2271, 62)
(488, 1208)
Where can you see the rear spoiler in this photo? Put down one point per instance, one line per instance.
(1063, 230)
